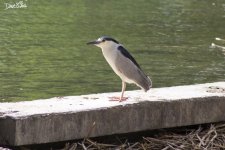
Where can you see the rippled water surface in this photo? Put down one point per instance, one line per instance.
(43, 51)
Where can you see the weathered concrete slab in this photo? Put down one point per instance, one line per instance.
(72, 117)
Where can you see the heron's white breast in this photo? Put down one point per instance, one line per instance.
(111, 54)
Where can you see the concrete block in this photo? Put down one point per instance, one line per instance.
(76, 117)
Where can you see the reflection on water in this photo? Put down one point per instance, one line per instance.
(43, 52)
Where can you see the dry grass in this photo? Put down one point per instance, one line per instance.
(203, 138)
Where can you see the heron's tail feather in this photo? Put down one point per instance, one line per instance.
(145, 83)
(148, 84)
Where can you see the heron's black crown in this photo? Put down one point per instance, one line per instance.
(107, 38)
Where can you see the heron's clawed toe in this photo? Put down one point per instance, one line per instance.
(117, 98)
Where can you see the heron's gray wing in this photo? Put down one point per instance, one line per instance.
(127, 65)
(128, 55)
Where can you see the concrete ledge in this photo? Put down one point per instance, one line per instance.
(72, 117)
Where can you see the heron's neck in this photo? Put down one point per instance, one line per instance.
(110, 47)
(110, 52)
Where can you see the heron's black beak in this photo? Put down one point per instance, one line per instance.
(93, 42)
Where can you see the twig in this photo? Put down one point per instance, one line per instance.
(143, 147)
(89, 132)
(132, 146)
(201, 141)
(91, 129)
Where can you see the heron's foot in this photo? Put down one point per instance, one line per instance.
(116, 98)
(60, 97)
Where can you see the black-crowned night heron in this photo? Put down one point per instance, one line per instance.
(123, 64)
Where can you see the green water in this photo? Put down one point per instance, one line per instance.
(43, 51)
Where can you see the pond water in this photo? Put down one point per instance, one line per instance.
(43, 51)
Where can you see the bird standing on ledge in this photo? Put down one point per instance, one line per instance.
(123, 64)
